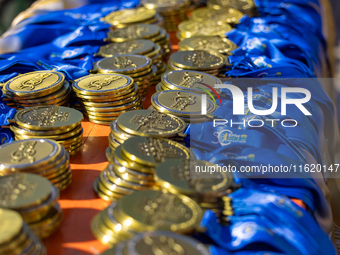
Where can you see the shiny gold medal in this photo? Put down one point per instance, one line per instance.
(125, 17)
(135, 47)
(210, 43)
(151, 151)
(150, 123)
(138, 31)
(228, 15)
(198, 60)
(171, 212)
(180, 103)
(193, 81)
(123, 64)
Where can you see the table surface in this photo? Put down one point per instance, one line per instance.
(79, 201)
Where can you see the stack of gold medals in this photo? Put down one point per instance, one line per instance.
(103, 97)
(142, 31)
(37, 156)
(209, 43)
(127, 17)
(146, 123)
(210, 27)
(138, 67)
(188, 80)
(131, 165)
(180, 177)
(37, 88)
(172, 11)
(137, 47)
(16, 237)
(58, 123)
(163, 241)
(209, 62)
(186, 105)
(35, 198)
(245, 6)
(146, 210)
(209, 22)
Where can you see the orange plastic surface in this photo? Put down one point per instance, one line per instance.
(79, 202)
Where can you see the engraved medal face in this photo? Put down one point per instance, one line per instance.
(227, 15)
(150, 122)
(180, 103)
(189, 80)
(160, 211)
(19, 154)
(242, 5)
(139, 31)
(135, 47)
(129, 16)
(23, 190)
(198, 59)
(164, 243)
(176, 173)
(99, 84)
(152, 151)
(35, 82)
(124, 63)
(48, 117)
(208, 27)
(211, 43)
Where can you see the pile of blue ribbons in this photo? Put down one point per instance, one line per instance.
(283, 47)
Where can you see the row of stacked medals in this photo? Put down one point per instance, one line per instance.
(148, 175)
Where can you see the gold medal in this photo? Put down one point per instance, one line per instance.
(150, 123)
(138, 31)
(170, 212)
(135, 47)
(38, 83)
(228, 15)
(152, 151)
(102, 84)
(180, 103)
(210, 43)
(198, 60)
(129, 16)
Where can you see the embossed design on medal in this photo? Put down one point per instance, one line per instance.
(128, 14)
(163, 208)
(164, 246)
(48, 117)
(32, 83)
(99, 84)
(25, 151)
(158, 150)
(14, 187)
(214, 43)
(122, 48)
(132, 32)
(123, 62)
(198, 58)
(182, 173)
(154, 122)
(190, 80)
(181, 102)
